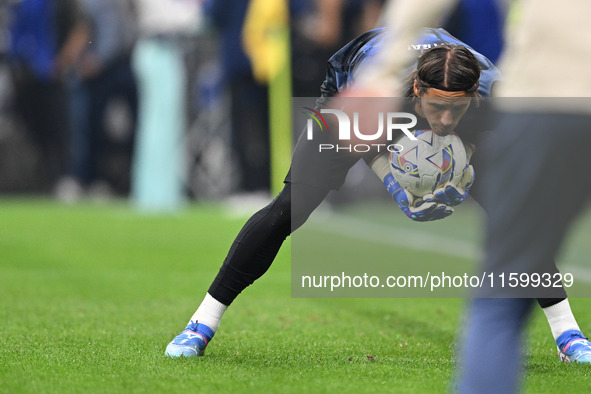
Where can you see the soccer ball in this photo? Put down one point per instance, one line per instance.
(423, 165)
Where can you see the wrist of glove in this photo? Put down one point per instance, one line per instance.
(417, 209)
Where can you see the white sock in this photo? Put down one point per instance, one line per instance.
(210, 312)
(561, 318)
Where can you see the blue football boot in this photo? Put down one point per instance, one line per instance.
(573, 347)
(191, 342)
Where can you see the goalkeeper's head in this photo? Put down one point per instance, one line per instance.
(446, 78)
(446, 67)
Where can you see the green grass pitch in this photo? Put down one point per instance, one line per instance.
(91, 294)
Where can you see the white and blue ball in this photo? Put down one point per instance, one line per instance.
(423, 165)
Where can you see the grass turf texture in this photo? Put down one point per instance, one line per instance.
(91, 295)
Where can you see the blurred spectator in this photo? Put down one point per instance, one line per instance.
(249, 98)
(318, 29)
(159, 163)
(479, 23)
(47, 37)
(102, 73)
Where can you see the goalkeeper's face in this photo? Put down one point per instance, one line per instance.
(442, 109)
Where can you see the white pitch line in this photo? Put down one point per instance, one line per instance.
(579, 273)
(360, 229)
(396, 236)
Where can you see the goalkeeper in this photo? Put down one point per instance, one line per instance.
(448, 70)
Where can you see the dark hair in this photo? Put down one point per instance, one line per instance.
(447, 67)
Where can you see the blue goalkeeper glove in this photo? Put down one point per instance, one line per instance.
(452, 195)
(419, 211)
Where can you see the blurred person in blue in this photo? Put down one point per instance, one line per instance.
(531, 215)
(46, 39)
(159, 159)
(248, 97)
(531, 200)
(479, 22)
(102, 73)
